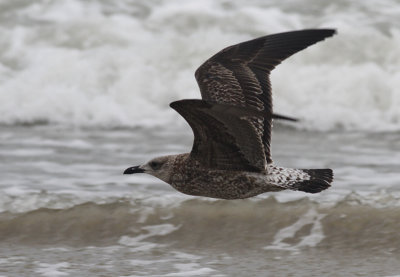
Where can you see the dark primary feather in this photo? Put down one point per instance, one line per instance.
(223, 139)
(239, 75)
(284, 117)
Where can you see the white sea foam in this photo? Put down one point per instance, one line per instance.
(52, 270)
(190, 269)
(89, 63)
(315, 236)
(137, 244)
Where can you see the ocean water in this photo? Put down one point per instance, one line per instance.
(84, 94)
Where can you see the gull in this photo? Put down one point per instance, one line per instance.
(230, 156)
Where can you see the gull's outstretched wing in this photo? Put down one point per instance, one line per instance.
(223, 138)
(239, 75)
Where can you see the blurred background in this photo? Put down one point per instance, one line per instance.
(85, 88)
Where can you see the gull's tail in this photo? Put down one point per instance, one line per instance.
(319, 180)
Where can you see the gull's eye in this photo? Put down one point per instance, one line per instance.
(155, 165)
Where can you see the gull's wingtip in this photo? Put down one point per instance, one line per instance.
(173, 104)
(177, 104)
(326, 30)
(319, 32)
(284, 117)
(330, 31)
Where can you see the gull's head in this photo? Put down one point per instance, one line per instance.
(160, 167)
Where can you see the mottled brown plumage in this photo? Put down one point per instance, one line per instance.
(239, 74)
(231, 157)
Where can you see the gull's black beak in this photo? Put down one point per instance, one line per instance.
(133, 170)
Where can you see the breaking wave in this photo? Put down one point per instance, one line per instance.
(264, 223)
(120, 63)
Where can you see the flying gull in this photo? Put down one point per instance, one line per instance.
(230, 157)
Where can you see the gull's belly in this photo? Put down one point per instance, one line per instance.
(221, 184)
